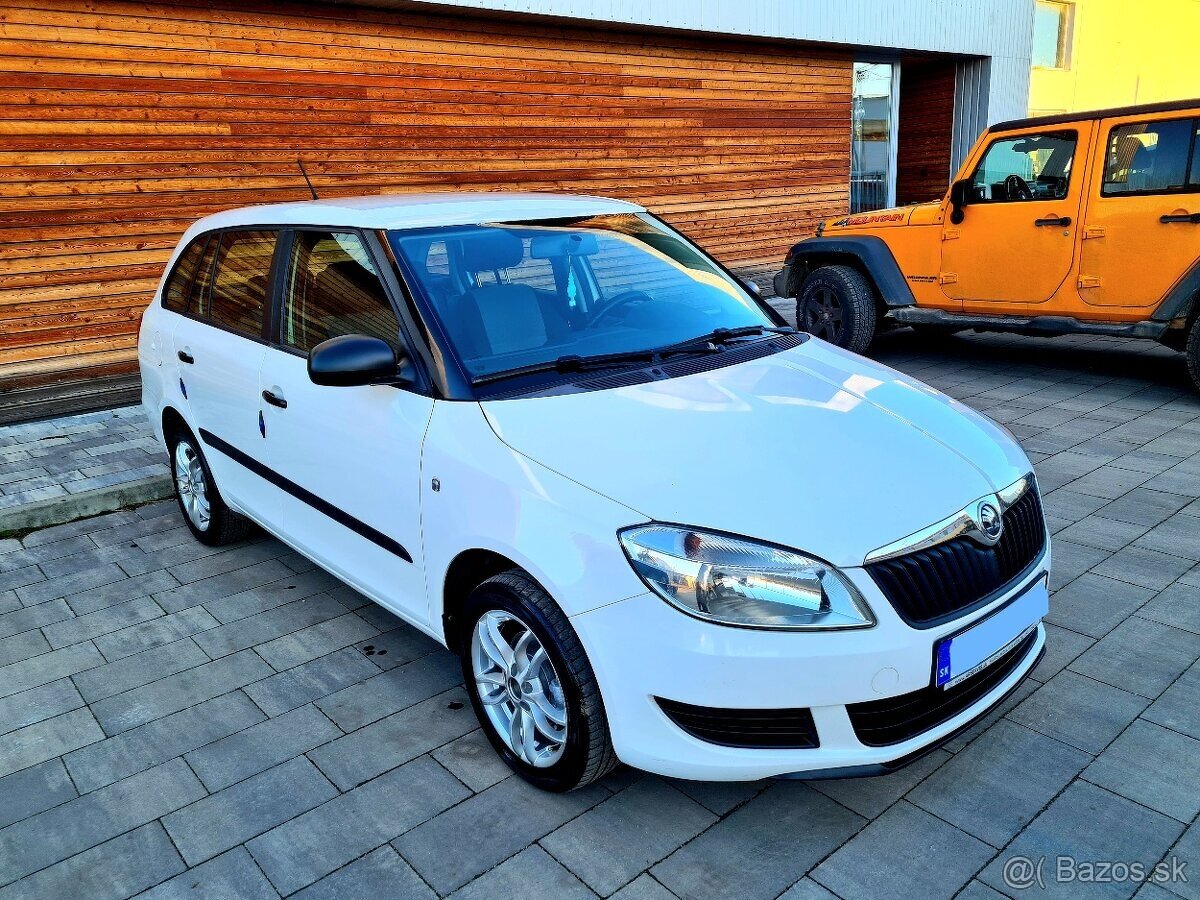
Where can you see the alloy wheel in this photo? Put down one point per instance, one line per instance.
(519, 688)
(823, 314)
(192, 485)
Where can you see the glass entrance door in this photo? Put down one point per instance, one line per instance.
(872, 137)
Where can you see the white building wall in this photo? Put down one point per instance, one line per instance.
(999, 30)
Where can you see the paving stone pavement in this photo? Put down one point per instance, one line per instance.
(191, 722)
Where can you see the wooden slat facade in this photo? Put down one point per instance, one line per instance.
(122, 122)
(926, 129)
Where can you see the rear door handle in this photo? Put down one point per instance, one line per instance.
(1185, 218)
(274, 399)
(1053, 222)
(185, 357)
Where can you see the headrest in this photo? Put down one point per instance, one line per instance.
(489, 249)
(552, 246)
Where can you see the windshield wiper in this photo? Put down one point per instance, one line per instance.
(706, 343)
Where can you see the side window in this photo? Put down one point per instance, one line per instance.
(333, 289)
(179, 287)
(237, 299)
(1028, 167)
(1149, 158)
(197, 304)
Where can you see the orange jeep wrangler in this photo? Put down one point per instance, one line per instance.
(1085, 223)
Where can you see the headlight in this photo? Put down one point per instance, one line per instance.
(740, 582)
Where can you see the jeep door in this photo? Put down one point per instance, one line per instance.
(347, 460)
(1141, 230)
(1015, 245)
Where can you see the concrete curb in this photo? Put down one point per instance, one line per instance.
(57, 510)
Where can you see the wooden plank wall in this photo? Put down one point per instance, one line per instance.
(926, 120)
(122, 122)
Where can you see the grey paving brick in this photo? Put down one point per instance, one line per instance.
(38, 704)
(19, 578)
(46, 667)
(786, 830)
(166, 630)
(381, 873)
(256, 600)
(1088, 823)
(1177, 536)
(871, 796)
(877, 862)
(314, 641)
(1140, 656)
(31, 617)
(160, 740)
(232, 816)
(86, 821)
(65, 585)
(611, 843)
(720, 797)
(1062, 646)
(47, 739)
(485, 831)
(1107, 534)
(388, 743)
(33, 790)
(179, 691)
(134, 671)
(309, 847)
(34, 552)
(1071, 506)
(995, 786)
(21, 646)
(230, 560)
(398, 646)
(1079, 711)
(1146, 568)
(108, 595)
(266, 626)
(1071, 560)
(117, 868)
(1153, 766)
(1094, 605)
(645, 887)
(228, 876)
(80, 565)
(1178, 606)
(379, 696)
(260, 747)
(531, 871)
(8, 602)
(473, 761)
(1179, 706)
(93, 625)
(311, 681)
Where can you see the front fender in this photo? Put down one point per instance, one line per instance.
(870, 253)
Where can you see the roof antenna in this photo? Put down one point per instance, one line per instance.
(312, 190)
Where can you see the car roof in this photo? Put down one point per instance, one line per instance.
(1061, 118)
(402, 211)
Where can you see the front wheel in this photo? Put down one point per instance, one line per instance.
(532, 687)
(1192, 352)
(837, 304)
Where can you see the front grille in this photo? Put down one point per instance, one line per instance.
(760, 728)
(894, 720)
(935, 584)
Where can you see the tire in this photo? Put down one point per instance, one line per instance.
(512, 601)
(837, 304)
(1192, 352)
(195, 488)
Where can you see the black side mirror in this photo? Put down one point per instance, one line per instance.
(356, 359)
(751, 287)
(960, 197)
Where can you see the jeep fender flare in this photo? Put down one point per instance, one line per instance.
(1182, 299)
(866, 252)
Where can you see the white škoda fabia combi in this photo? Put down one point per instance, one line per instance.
(656, 525)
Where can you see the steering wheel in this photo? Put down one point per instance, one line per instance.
(1016, 188)
(623, 299)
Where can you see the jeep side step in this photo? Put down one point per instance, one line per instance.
(1039, 326)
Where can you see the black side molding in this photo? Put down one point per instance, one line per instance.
(871, 252)
(305, 496)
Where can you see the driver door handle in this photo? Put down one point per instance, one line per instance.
(274, 399)
(1053, 222)
(1186, 218)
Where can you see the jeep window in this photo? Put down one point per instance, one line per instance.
(239, 289)
(1149, 158)
(334, 289)
(1023, 168)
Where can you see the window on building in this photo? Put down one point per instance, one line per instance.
(1052, 23)
(1149, 158)
(1028, 167)
(871, 157)
(333, 288)
(238, 297)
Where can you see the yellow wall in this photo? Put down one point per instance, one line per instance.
(1123, 52)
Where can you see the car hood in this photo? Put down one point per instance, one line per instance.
(812, 448)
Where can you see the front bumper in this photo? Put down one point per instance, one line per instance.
(642, 648)
(781, 281)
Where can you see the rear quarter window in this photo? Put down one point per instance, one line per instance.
(183, 276)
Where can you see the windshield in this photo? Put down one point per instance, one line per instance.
(521, 294)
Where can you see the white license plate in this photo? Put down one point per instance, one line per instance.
(962, 655)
